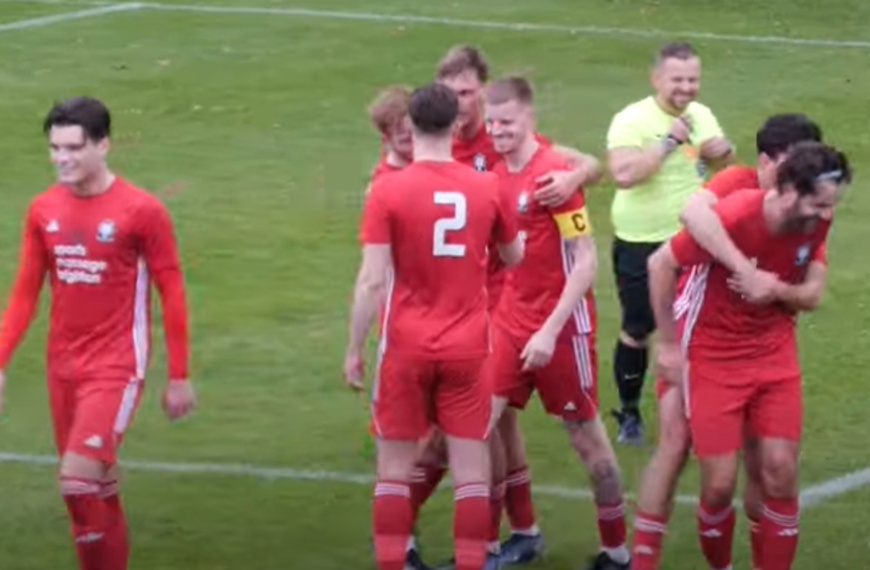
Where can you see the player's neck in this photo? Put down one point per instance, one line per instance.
(666, 106)
(433, 149)
(396, 160)
(470, 130)
(95, 185)
(518, 159)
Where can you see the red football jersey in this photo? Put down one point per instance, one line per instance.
(533, 288)
(732, 179)
(101, 253)
(439, 219)
(722, 327)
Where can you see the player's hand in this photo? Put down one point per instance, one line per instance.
(670, 362)
(681, 129)
(354, 369)
(555, 188)
(716, 147)
(755, 286)
(178, 399)
(539, 350)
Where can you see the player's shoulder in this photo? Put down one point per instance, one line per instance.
(547, 158)
(733, 178)
(747, 201)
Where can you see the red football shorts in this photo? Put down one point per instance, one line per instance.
(91, 416)
(567, 385)
(411, 395)
(727, 406)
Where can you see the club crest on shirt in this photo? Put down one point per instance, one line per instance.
(106, 231)
(803, 255)
(480, 162)
(523, 203)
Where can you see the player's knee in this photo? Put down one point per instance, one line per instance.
(469, 461)
(396, 460)
(779, 473)
(718, 490)
(589, 440)
(76, 466)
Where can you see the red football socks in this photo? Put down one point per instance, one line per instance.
(392, 524)
(649, 534)
(716, 530)
(471, 521)
(779, 533)
(89, 520)
(117, 549)
(518, 501)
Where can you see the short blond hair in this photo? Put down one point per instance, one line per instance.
(389, 107)
(511, 88)
(463, 58)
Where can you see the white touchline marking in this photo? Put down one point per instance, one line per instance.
(810, 496)
(68, 17)
(483, 24)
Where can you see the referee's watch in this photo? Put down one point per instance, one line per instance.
(671, 143)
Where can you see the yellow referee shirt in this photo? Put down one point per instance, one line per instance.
(649, 212)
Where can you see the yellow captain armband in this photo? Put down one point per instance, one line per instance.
(574, 223)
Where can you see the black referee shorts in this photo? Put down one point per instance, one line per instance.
(632, 284)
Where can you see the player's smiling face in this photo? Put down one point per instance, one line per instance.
(73, 154)
(807, 211)
(469, 92)
(508, 124)
(678, 81)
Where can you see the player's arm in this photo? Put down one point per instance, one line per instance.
(586, 167)
(664, 267)
(160, 249)
(23, 300)
(370, 288)
(576, 231)
(703, 223)
(804, 296)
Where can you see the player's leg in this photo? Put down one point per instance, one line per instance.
(777, 420)
(716, 420)
(464, 411)
(659, 481)
(401, 419)
(103, 411)
(568, 389)
(630, 356)
(429, 469)
(525, 543)
(752, 496)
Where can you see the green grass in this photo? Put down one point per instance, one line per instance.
(262, 119)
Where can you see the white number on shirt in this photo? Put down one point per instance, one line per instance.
(440, 247)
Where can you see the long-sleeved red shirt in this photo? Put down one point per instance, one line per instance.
(101, 254)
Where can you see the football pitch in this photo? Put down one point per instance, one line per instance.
(248, 118)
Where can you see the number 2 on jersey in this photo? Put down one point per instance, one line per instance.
(440, 247)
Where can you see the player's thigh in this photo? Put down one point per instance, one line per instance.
(568, 384)
(62, 402)
(717, 409)
(777, 410)
(632, 284)
(104, 409)
(402, 406)
(501, 373)
(463, 404)
(673, 421)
